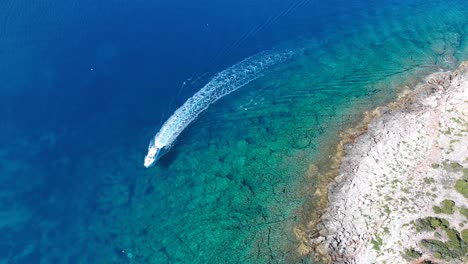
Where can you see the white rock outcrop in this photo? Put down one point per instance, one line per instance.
(394, 174)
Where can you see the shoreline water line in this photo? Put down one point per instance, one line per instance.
(325, 171)
(327, 166)
(314, 231)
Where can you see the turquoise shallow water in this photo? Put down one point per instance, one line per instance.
(237, 185)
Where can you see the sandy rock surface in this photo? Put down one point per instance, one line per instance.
(397, 173)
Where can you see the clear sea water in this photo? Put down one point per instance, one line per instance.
(84, 85)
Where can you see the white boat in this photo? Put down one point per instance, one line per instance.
(154, 153)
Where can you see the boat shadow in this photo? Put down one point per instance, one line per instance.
(166, 160)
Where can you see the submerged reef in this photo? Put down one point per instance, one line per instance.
(401, 192)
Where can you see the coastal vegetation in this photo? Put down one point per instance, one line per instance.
(411, 254)
(446, 207)
(452, 244)
(461, 186)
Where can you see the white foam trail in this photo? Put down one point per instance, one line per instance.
(223, 83)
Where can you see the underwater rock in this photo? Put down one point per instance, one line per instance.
(447, 60)
(301, 143)
(438, 46)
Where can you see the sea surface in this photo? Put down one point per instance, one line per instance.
(85, 85)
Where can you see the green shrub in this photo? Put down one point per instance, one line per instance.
(447, 206)
(464, 211)
(435, 222)
(462, 187)
(454, 247)
(439, 248)
(454, 238)
(430, 224)
(428, 180)
(464, 235)
(453, 166)
(376, 243)
(411, 254)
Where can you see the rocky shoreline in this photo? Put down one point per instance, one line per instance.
(401, 195)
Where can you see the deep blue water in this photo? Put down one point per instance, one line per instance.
(140, 51)
(85, 84)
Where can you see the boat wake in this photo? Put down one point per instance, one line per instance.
(223, 83)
